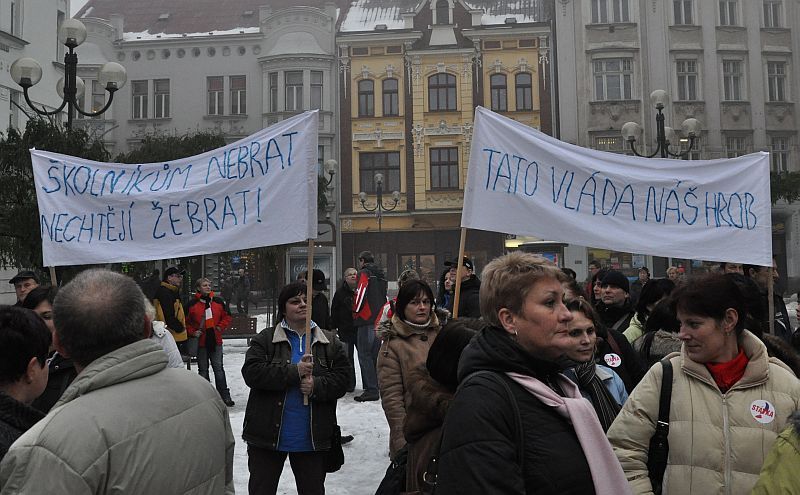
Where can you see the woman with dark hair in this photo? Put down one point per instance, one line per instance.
(406, 340)
(62, 370)
(653, 291)
(516, 424)
(660, 337)
(24, 340)
(279, 373)
(729, 399)
(599, 384)
(597, 278)
(431, 388)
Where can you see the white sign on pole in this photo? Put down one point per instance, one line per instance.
(258, 191)
(521, 181)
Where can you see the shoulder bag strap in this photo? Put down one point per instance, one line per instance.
(658, 453)
(613, 343)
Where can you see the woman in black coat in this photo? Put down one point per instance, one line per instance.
(516, 425)
(278, 422)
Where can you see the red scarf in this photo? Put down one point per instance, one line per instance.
(210, 340)
(727, 374)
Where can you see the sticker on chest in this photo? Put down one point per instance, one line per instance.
(763, 411)
(612, 359)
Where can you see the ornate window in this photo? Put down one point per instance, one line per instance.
(605, 11)
(390, 98)
(772, 13)
(613, 78)
(160, 98)
(687, 79)
(387, 164)
(442, 92)
(779, 153)
(444, 168)
(728, 12)
(442, 12)
(499, 92)
(139, 90)
(732, 75)
(683, 11)
(294, 90)
(776, 81)
(366, 98)
(316, 90)
(216, 95)
(524, 86)
(238, 88)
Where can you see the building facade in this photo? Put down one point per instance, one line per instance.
(732, 64)
(412, 73)
(232, 69)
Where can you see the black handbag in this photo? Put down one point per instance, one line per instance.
(394, 481)
(334, 457)
(658, 453)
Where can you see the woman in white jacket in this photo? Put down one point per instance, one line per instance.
(729, 399)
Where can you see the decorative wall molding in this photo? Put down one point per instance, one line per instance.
(378, 136)
(735, 109)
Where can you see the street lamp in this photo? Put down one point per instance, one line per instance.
(379, 207)
(330, 169)
(665, 136)
(27, 72)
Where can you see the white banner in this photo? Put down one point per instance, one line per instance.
(259, 191)
(521, 181)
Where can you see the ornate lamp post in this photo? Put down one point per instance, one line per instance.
(27, 72)
(665, 136)
(379, 207)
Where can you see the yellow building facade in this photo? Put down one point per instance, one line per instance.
(410, 84)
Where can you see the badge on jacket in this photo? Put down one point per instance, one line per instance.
(612, 359)
(763, 411)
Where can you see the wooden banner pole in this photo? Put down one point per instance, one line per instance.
(53, 278)
(309, 296)
(771, 302)
(459, 271)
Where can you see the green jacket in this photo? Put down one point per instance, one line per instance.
(780, 474)
(127, 424)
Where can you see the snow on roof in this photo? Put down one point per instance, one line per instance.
(364, 15)
(190, 17)
(147, 35)
(496, 11)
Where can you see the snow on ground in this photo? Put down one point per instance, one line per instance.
(366, 457)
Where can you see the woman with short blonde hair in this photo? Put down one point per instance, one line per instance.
(516, 424)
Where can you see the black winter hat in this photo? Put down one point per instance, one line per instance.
(617, 279)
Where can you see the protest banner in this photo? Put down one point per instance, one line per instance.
(521, 181)
(258, 191)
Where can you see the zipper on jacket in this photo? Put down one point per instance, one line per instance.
(726, 435)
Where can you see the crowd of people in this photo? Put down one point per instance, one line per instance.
(524, 380)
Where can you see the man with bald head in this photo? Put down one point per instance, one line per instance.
(127, 423)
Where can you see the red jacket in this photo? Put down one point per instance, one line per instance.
(195, 317)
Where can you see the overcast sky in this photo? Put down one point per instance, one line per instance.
(75, 6)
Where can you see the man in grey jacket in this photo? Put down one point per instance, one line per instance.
(127, 424)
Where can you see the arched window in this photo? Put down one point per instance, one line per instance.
(366, 98)
(524, 88)
(442, 12)
(390, 98)
(442, 92)
(499, 91)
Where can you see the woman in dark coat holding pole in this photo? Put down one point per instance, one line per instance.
(277, 423)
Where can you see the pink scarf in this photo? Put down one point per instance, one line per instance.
(607, 474)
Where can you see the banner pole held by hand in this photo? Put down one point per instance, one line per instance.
(309, 289)
(459, 271)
